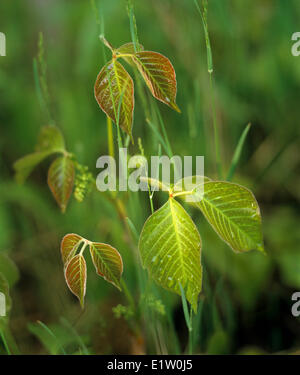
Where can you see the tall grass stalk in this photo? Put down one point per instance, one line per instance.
(203, 15)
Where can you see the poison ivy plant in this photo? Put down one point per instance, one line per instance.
(62, 172)
(107, 261)
(114, 90)
(170, 244)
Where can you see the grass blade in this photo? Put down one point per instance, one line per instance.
(237, 153)
(185, 308)
(48, 330)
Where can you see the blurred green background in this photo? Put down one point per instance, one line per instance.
(246, 299)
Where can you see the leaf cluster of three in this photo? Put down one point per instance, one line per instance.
(170, 244)
(114, 89)
(61, 173)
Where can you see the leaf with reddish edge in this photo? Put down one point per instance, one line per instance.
(159, 75)
(114, 92)
(108, 262)
(61, 176)
(69, 245)
(75, 275)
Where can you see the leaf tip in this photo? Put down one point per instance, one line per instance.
(262, 249)
(175, 107)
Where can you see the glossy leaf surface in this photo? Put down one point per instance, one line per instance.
(75, 275)
(108, 262)
(69, 246)
(233, 212)
(114, 93)
(170, 247)
(159, 75)
(61, 176)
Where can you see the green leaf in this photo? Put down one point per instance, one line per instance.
(50, 139)
(47, 337)
(159, 75)
(24, 166)
(233, 212)
(108, 262)
(170, 247)
(61, 177)
(114, 93)
(69, 246)
(106, 259)
(75, 275)
(127, 48)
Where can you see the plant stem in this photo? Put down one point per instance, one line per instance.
(188, 319)
(84, 246)
(110, 140)
(191, 333)
(9, 341)
(5, 343)
(216, 132)
(190, 342)
(163, 128)
(182, 193)
(128, 294)
(203, 15)
(106, 42)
